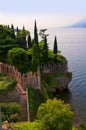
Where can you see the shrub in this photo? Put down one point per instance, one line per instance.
(19, 58)
(15, 117)
(74, 128)
(27, 126)
(7, 83)
(82, 127)
(55, 115)
(33, 106)
(10, 111)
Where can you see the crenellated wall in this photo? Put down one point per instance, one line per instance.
(30, 79)
(33, 81)
(23, 81)
(60, 67)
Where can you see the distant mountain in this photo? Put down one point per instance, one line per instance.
(80, 24)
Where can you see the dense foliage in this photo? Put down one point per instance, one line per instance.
(35, 99)
(11, 112)
(29, 55)
(18, 57)
(45, 51)
(27, 126)
(15, 38)
(6, 83)
(55, 115)
(10, 38)
(21, 38)
(82, 127)
(7, 41)
(36, 125)
(35, 58)
(52, 115)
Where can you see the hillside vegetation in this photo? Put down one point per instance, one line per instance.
(29, 55)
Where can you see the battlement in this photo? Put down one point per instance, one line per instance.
(32, 80)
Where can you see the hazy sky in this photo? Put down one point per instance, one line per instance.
(48, 13)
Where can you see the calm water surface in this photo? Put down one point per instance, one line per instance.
(72, 43)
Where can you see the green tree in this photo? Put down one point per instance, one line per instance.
(42, 34)
(45, 51)
(55, 115)
(12, 31)
(21, 38)
(82, 127)
(35, 58)
(35, 34)
(11, 111)
(12, 27)
(23, 28)
(19, 58)
(43, 47)
(7, 41)
(55, 49)
(35, 55)
(17, 29)
(29, 42)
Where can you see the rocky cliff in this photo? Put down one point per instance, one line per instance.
(63, 81)
(62, 75)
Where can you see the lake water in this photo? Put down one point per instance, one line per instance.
(72, 43)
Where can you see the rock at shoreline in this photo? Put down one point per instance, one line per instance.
(63, 76)
(62, 82)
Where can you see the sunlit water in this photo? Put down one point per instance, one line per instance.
(72, 43)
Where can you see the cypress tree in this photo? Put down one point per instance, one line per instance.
(24, 37)
(35, 34)
(45, 51)
(12, 31)
(12, 27)
(17, 29)
(29, 41)
(55, 49)
(23, 28)
(35, 58)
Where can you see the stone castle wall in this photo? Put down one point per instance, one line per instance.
(23, 81)
(31, 80)
(20, 91)
(50, 68)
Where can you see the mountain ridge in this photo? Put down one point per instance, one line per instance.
(79, 24)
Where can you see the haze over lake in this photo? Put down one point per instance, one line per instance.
(72, 43)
